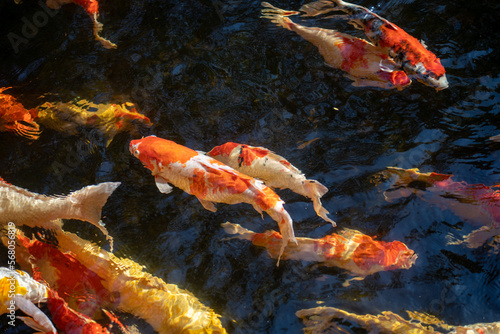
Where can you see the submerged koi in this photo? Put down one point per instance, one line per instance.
(475, 203)
(114, 283)
(108, 118)
(92, 9)
(351, 250)
(15, 118)
(274, 170)
(23, 207)
(407, 51)
(365, 64)
(209, 180)
(326, 320)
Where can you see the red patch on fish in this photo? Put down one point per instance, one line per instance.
(249, 154)
(223, 150)
(353, 52)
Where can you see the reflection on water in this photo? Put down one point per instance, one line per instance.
(205, 73)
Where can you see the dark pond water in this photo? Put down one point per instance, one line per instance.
(209, 72)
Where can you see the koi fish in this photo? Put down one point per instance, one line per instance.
(117, 283)
(209, 180)
(475, 203)
(365, 64)
(15, 118)
(23, 207)
(27, 292)
(108, 118)
(326, 320)
(92, 9)
(406, 50)
(274, 170)
(351, 250)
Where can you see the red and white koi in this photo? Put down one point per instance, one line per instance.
(475, 203)
(209, 180)
(406, 50)
(23, 207)
(274, 170)
(365, 64)
(91, 280)
(351, 250)
(14, 117)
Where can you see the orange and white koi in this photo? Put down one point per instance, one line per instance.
(406, 50)
(108, 118)
(326, 320)
(274, 170)
(209, 180)
(351, 250)
(92, 9)
(15, 118)
(365, 64)
(23, 207)
(81, 270)
(475, 203)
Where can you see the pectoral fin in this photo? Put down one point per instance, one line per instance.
(207, 205)
(163, 185)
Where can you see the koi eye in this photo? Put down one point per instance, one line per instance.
(136, 152)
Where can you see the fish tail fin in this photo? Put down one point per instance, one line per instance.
(241, 232)
(87, 204)
(324, 6)
(278, 16)
(315, 191)
(285, 224)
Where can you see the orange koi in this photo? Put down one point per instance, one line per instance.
(108, 118)
(365, 64)
(274, 170)
(15, 118)
(475, 203)
(209, 180)
(406, 50)
(106, 281)
(23, 207)
(28, 291)
(326, 320)
(351, 250)
(92, 9)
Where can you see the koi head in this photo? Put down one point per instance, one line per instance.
(126, 115)
(373, 255)
(156, 152)
(398, 256)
